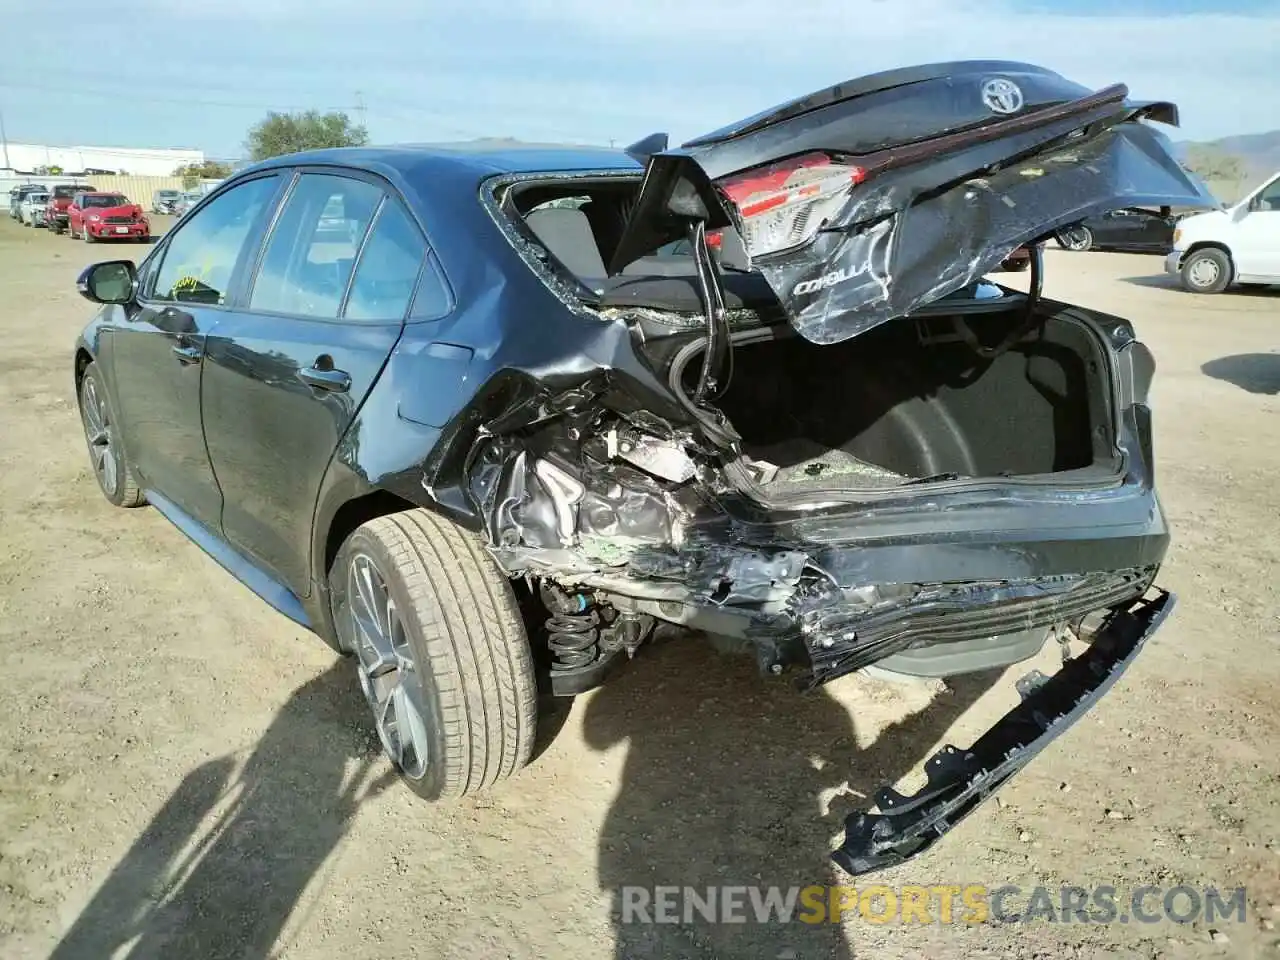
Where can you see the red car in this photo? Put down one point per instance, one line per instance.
(106, 216)
(60, 198)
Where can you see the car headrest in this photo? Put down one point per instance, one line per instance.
(566, 232)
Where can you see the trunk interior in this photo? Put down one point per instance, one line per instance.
(898, 404)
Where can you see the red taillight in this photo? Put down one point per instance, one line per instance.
(784, 204)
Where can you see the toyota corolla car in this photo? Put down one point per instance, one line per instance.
(521, 406)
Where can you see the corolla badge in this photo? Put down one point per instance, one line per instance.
(1001, 95)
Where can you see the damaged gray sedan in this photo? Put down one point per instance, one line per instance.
(758, 385)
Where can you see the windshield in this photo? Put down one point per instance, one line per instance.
(107, 200)
(38, 197)
(167, 194)
(69, 190)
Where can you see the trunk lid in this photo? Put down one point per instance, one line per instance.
(869, 199)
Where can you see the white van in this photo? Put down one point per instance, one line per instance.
(1240, 244)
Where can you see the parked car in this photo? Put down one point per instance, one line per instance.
(60, 197)
(1133, 229)
(33, 209)
(18, 194)
(106, 216)
(1238, 245)
(506, 453)
(162, 201)
(185, 202)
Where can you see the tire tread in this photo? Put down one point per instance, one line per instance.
(476, 644)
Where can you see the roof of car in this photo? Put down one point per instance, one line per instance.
(484, 157)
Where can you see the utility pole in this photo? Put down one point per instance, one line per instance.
(4, 139)
(360, 111)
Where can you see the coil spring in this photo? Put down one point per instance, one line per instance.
(573, 638)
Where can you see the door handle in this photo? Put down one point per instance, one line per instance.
(187, 355)
(331, 381)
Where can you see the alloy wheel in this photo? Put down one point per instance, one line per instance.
(97, 431)
(1078, 239)
(389, 674)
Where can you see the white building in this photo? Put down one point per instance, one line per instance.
(137, 161)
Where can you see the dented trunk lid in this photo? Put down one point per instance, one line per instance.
(869, 199)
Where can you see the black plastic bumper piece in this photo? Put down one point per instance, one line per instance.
(959, 780)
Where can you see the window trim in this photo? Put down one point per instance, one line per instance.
(155, 261)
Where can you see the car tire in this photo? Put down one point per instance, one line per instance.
(1076, 239)
(1207, 270)
(107, 458)
(452, 691)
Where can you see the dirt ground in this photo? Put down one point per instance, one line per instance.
(185, 774)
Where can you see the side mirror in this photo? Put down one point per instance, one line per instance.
(113, 281)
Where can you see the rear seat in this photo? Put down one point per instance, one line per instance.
(663, 282)
(567, 233)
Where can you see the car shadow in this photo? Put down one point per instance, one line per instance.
(1255, 372)
(1160, 281)
(1164, 281)
(220, 868)
(731, 779)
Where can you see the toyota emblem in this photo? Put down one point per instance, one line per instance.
(1001, 95)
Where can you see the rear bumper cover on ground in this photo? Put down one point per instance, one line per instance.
(960, 780)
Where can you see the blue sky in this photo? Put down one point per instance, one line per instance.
(163, 73)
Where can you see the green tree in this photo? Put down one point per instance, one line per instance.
(280, 133)
(193, 173)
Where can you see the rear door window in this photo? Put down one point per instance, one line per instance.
(311, 253)
(389, 266)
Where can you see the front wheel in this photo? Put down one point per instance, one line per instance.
(441, 651)
(1077, 239)
(110, 466)
(1206, 271)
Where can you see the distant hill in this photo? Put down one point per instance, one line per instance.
(1258, 152)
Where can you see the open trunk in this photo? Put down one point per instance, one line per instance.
(916, 400)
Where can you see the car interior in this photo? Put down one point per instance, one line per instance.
(582, 229)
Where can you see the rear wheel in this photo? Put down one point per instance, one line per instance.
(441, 650)
(1206, 271)
(1077, 239)
(110, 466)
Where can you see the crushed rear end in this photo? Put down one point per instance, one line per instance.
(824, 432)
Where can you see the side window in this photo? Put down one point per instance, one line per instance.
(389, 266)
(312, 249)
(202, 254)
(1269, 199)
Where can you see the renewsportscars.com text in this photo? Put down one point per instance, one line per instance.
(945, 903)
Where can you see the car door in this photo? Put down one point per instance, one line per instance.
(1256, 245)
(1123, 229)
(73, 213)
(285, 375)
(1156, 231)
(157, 353)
